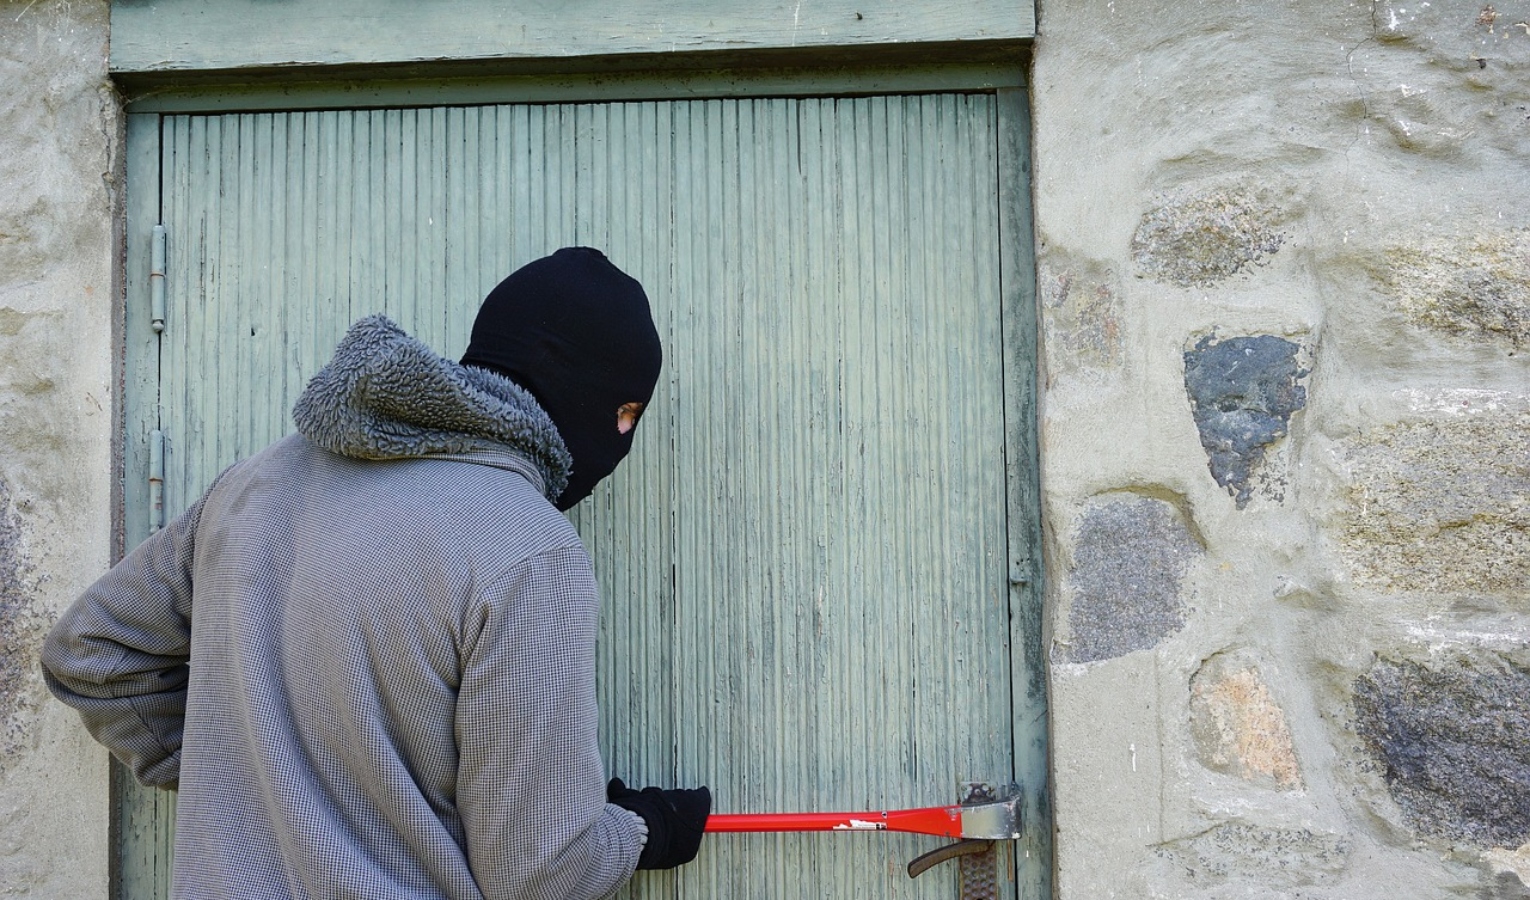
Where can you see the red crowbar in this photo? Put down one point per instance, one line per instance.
(982, 821)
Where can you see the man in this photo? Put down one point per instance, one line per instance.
(365, 656)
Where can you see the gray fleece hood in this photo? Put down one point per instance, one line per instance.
(385, 395)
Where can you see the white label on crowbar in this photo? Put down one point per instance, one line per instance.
(862, 825)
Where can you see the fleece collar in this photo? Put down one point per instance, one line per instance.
(385, 395)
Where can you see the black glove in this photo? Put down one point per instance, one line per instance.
(676, 821)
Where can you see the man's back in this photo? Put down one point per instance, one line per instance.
(367, 653)
(338, 604)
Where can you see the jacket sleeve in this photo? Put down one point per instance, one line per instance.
(531, 785)
(119, 654)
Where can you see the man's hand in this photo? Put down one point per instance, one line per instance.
(676, 821)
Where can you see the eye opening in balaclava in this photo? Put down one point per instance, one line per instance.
(576, 332)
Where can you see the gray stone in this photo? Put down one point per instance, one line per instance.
(1243, 392)
(1450, 739)
(1273, 857)
(1205, 238)
(1129, 563)
(1439, 507)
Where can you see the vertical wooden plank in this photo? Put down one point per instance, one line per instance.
(628, 524)
(461, 234)
(369, 213)
(560, 202)
(265, 329)
(519, 147)
(821, 404)
(333, 262)
(140, 816)
(312, 198)
(141, 352)
(262, 209)
(1028, 659)
(379, 264)
(193, 149)
(432, 223)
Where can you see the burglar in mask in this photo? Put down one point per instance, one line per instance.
(366, 656)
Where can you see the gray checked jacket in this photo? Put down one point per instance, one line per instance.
(366, 656)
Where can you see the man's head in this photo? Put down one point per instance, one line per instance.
(576, 332)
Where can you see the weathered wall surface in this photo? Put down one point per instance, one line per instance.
(1285, 277)
(58, 191)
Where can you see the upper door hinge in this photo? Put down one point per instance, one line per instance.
(157, 281)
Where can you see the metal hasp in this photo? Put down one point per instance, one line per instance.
(990, 813)
(987, 815)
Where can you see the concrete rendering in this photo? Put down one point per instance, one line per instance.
(59, 200)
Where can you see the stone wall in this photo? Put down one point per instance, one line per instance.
(1285, 277)
(59, 192)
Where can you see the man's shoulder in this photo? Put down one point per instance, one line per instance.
(438, 499)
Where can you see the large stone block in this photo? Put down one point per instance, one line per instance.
(1206, 237)
(1450, 740)
(1442, 506)
(1130, 557)
(1082, 316)
(1263, 855)
(1243, 392)
(1477, 286)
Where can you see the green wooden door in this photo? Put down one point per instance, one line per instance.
(809, 563)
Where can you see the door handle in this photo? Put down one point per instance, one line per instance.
(969, 847)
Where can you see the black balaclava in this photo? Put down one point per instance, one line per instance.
(576, 332)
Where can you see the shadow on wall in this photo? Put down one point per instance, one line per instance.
(21, 632)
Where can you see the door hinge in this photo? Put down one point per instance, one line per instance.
(157, 280)
(156, 480)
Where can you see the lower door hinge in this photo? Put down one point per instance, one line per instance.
(156, 480)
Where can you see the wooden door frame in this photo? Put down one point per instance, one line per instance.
(1031, 862)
